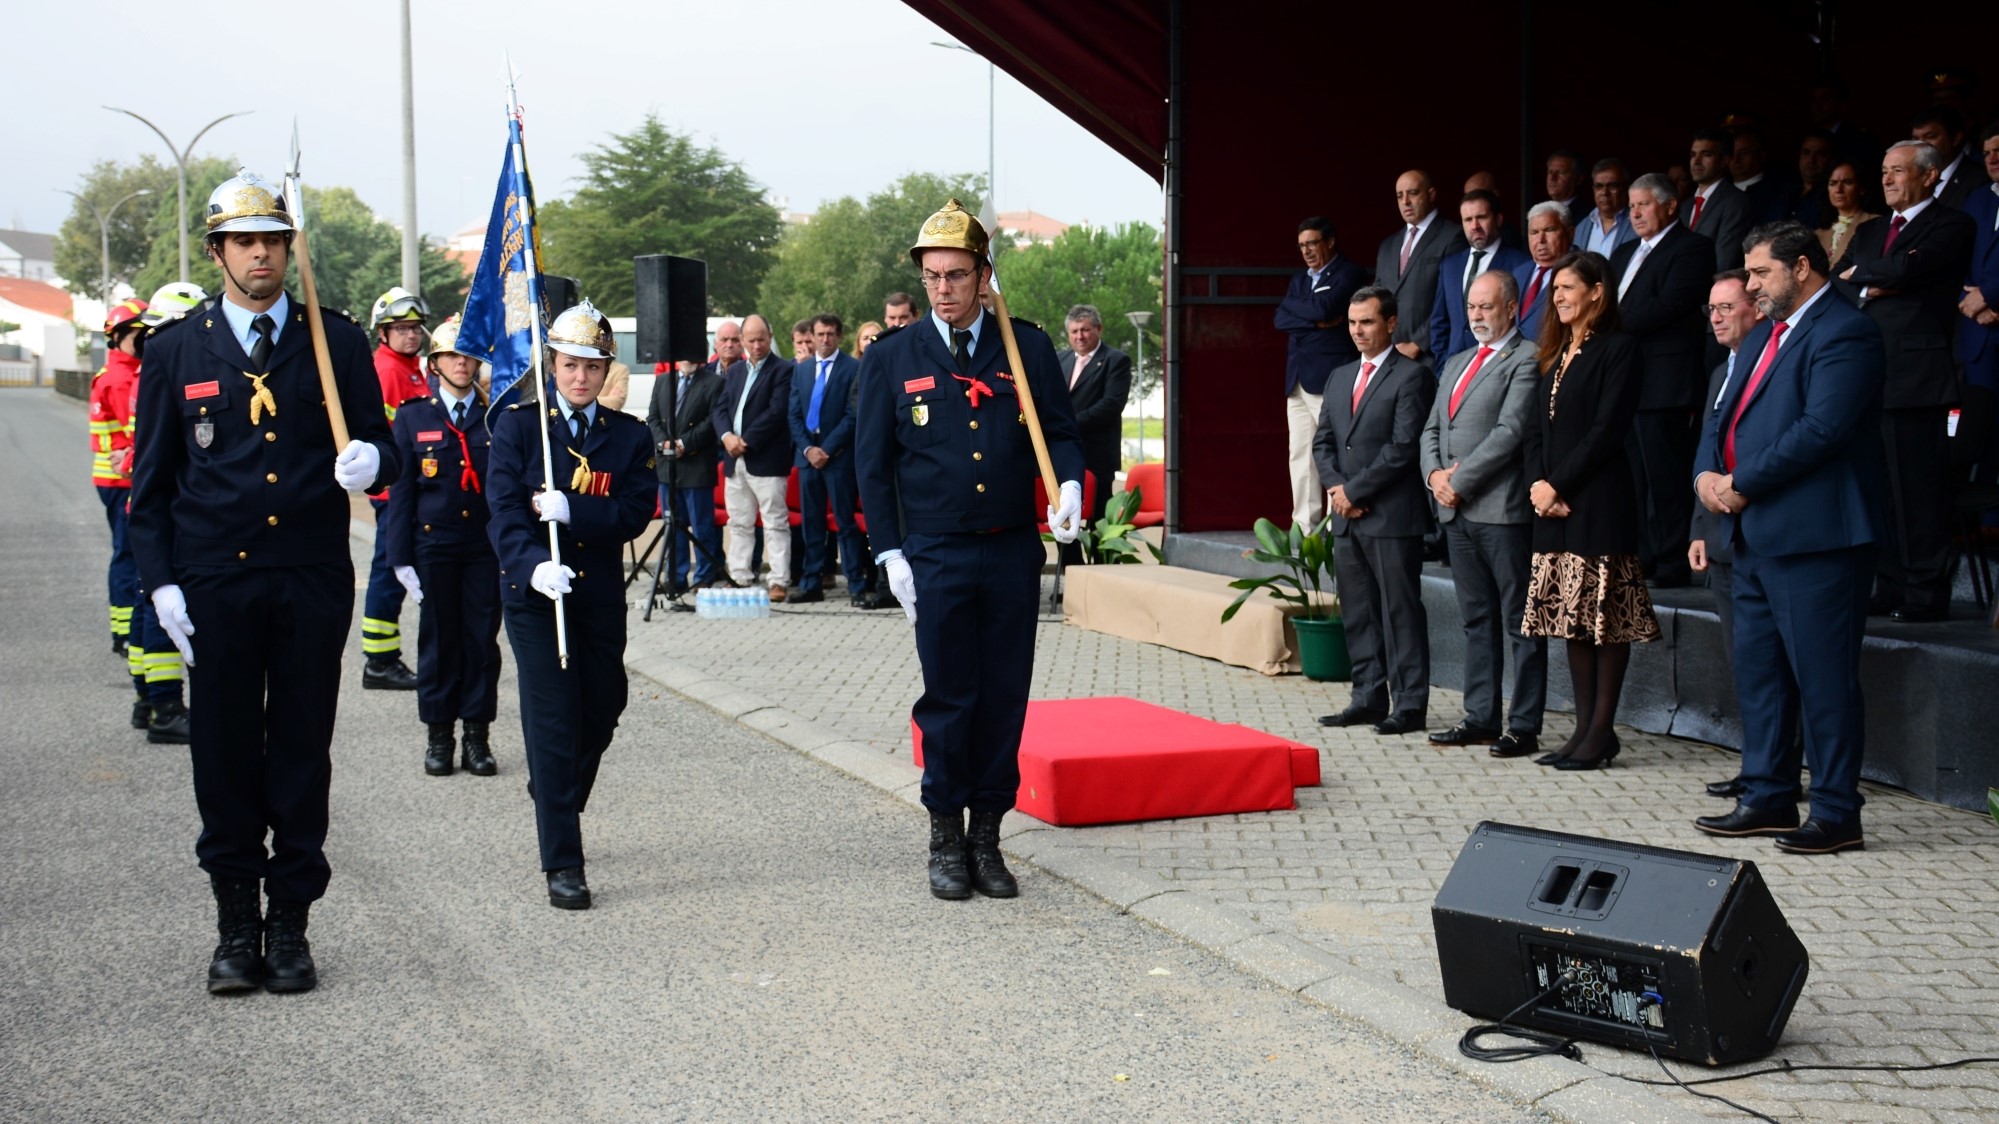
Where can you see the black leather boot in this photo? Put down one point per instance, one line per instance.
(238, 963)
(478, 754)
(388, 673)
(948, 878)
(142, 714)
(170, 724)
(437, 754)
(287, 954)
(989, 873)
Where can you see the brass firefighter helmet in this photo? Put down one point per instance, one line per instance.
(444, 341)
(247, 201)
(952, 228)
(583, 331)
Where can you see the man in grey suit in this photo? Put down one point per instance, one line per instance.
(1470, 455)
(1366, 450)
(1717, 209)
(1408, 261)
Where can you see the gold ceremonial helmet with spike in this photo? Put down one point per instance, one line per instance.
(247, 201)
(952, 228)
(445, 339)
(583, 331)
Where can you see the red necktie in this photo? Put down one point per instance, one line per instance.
(1533, 290)
(1464, 380)
(1895, 226)
(1777, 331)
(1360, 386)
(1699, 202)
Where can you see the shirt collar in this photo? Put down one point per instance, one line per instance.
(1500, 343)
(450, 399)
(1652, 243)
(1750, 181)
(568, 412)
(1791, 321)
(1422, 225)
(1377, 359)
(1909, 215)
(240, 319)
(944, 330)
(1950, 169)
(1708, 191)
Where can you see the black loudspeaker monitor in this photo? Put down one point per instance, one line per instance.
(672, 308)
(559, 293)
(1687, 954)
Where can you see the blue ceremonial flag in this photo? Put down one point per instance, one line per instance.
(506, 288)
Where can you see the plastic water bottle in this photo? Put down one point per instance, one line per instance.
(761, 601)
(704, 603)
(739, 604)
(728, 604)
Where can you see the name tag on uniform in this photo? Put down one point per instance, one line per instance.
(203, 390)
(430, 435)
(927, 382)
(430, 466)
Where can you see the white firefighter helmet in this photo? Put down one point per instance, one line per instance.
(583, 331)
(247, 201)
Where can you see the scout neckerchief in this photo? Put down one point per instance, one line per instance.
(973, 388)
(468, 480)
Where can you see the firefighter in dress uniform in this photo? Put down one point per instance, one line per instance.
(239, 525)
(435, 525)
(111, 455)
(607, 489)
(152, 660)
(947, 476)
(397, 319)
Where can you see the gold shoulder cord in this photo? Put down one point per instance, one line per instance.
(579, 481)
(261, 399)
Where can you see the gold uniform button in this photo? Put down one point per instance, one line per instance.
(978, 456)
(269, 436)
(204, 411)
(465, 515)
(241, 555)
(272, 520)
(426, 527)
(982, 487)
(975, 425)
(581, 575)
(270, 477)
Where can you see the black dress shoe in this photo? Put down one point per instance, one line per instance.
(1910, 614)
(1574, 764)
(567, 889)
(1744, 820)
(1817, 837)
(879, 599)
(1407, 722)
(1354, 716)
(1729, 789)
(142, 714)
(288, 962)
(806, 596)
(170, 724)
(390, 674)
(1511, 744)
(1465, 733)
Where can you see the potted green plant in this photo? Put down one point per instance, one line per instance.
(1113, 538)
(1307, 558)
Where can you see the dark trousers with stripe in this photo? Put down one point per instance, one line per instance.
(458, 635)
(567, 714)
(977, 598)
(153, 661)
(266, 685)
(122, 579)
(382, 608)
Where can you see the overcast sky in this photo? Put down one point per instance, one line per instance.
(815, 98)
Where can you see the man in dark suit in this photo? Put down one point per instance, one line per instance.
(1408, 260)
(1481, 222)
(1978, 317)
(1370, 430)
(1548, 238)
(752, 417)
(1717, 210)
(822, 428)
(1565, 185)
(1471, 461)
(1099, 380)
(1662, 279)
(1907, 271)
(1958, 174)
(1791, 464)
(681, 417)
(1767, 193)
(1313, 315)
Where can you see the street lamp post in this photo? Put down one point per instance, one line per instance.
(988, 214)
(180, 156)
(104, 236)
(1138, 322)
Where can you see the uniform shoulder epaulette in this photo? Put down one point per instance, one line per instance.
(518, 405)
(1022, 320)
(342, 314)
(887, 332)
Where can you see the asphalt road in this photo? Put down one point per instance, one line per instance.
(763, 945)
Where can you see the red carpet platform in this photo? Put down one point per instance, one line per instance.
(1116, 760)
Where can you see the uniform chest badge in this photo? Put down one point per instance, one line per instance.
(430, 466)
(919, 415)
(204, 434)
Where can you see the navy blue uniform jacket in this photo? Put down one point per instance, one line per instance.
(431, 509)
(928, 461)
(1808, 447)
(599, 526)
(211, 489)
(836, 421)
(1315, 351)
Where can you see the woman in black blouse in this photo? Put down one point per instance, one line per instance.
(1586, 586)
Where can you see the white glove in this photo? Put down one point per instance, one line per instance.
(171, 608)
(407, 576)
(551, 580)
(357, 466)
(554, 507)
(1065, 519)
(901, 582)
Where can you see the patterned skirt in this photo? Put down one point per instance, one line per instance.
(1601, 599)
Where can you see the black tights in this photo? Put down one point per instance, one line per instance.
(1597, 673)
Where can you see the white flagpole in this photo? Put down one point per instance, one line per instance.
(534, 322)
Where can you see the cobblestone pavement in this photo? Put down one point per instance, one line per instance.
(1902, 937)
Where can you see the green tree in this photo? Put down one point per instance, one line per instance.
(655, 191)
(852, 253)
(79, 248)
(1118, 269)
(162, 257)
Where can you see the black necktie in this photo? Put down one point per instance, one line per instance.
(576, 423)
(260, 348)
(961, 348)
(1471, 274)
(458, 416)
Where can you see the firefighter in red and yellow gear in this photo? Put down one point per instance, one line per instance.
(111, 453)
(398, 320)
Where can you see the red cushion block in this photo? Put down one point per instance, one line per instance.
(1117, 760)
